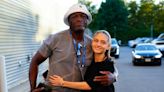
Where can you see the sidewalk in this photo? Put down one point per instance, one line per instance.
(24, 87)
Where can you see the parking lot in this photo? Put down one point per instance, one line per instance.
(138, 78)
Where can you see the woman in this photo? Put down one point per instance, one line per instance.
(102, 62)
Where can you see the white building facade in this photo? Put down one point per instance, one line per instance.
(19, 29)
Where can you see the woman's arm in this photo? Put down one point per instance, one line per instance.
(58, 81)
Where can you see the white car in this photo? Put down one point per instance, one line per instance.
(133, 43)
(115, 48)
(159, 42)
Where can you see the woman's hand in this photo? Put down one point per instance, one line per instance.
(56, 80)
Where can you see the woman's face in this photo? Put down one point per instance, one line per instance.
(100, 43)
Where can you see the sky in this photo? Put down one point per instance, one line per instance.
(51, 13)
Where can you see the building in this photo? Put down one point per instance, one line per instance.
(19, 29)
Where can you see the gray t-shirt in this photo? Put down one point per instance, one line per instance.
(59, 48)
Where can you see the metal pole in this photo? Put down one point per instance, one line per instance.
(115, 31)
(3, 81)
(151, 31)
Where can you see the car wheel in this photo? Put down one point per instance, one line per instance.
(116, 56)
(159, 63)
(134, 46)
(134, 63)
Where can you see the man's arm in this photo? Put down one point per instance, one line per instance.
(33, 70)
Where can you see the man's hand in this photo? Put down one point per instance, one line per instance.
(38, 89)
(106, 79)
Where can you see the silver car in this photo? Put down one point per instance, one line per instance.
(159, 42)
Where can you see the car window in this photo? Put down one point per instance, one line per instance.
(114, 41)
(146, 47)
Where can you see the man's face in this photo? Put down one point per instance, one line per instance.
(77, 21)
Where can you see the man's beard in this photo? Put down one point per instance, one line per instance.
(78, 30)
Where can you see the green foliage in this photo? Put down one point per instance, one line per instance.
(159, 18)
(146, 15)
(111, 16)
(92, 8)
(128, 21)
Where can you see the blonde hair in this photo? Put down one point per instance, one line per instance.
(104, 32)
(107, 53)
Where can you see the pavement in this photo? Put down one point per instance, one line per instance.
(25, 87)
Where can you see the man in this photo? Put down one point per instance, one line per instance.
(69, 52)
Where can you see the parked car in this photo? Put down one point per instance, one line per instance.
(159, 42)
(133, 43)
(146, 53)
(115, 48)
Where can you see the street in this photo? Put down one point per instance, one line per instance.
(138, 78)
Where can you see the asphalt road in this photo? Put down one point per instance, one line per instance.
(138, 78)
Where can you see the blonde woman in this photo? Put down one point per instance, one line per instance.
(101, 44)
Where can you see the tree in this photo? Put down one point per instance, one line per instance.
(92, 8)
(145, 14)
(158, 18)
(132, 18)
(111, 16)
(145, 19)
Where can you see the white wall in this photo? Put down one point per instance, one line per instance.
(21, 29)
(18, 27)
(51, 13)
